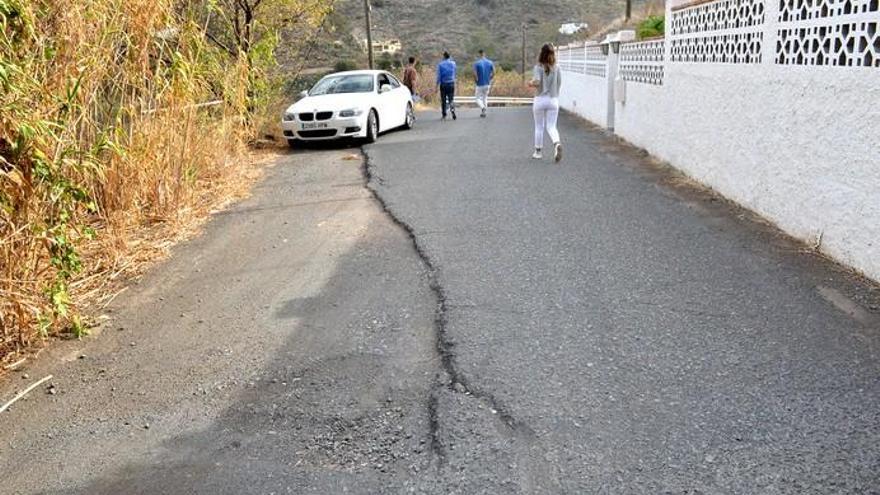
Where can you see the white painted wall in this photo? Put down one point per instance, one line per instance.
(586, 96)
(798, 144)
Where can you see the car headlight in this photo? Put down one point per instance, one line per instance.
(351, 112)
(289, 116)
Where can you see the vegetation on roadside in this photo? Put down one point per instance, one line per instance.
(651, 27)
(506, 83)
(647, 20)
(121, 123)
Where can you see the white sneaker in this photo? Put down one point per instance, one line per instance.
(557, 152)
(537, 155)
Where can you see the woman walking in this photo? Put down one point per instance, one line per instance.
(547, 81)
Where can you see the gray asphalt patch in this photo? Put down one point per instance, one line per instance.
(646, 345)
(311, 371)
(473, 321)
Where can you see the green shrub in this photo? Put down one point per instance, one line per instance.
(652, 26)
(344, 65)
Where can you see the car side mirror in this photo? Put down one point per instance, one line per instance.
(384, 88)
(303, 94)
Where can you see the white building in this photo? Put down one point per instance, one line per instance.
(391, 47)
(570, 28)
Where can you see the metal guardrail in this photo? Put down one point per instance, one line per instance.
(495, 100)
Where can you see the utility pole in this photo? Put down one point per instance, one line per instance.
(367, 10)
(628, 10)
(523, 52)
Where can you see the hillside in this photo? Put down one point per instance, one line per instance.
(427, 27)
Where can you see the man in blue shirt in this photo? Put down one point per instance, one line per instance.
(484, 72)
(446, 82)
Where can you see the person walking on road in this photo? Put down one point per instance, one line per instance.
(484, 72)
(446, 83)
(547, 81)
(411, 77)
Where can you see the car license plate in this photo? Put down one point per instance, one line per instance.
(314, 126)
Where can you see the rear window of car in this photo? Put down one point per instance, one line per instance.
(360, 83)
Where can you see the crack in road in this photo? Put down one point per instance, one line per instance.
(454, 380)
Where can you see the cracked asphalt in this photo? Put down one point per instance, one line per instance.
(626, 332)
(445, 315)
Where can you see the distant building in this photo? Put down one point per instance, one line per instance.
(389, 46)
(570, 28)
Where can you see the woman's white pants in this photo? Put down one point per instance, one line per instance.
(546, 111)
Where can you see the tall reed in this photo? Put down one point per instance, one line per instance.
(102, 139)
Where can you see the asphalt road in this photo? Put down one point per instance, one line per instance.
(455, 317)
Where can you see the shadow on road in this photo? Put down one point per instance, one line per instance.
(342, 406)
(320, 146)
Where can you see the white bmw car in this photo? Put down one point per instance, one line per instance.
(358, 104)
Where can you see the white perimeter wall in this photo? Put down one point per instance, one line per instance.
(798, 144)
(586, 96)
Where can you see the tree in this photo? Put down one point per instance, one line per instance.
(344, 65)
(385, 61)
(482, 39)
(239, 26)
(250, 30)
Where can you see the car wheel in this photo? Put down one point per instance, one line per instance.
(372, 127)
(410, 117)
(291, 143)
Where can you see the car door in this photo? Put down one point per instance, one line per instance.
(402, 97)
(387, 118)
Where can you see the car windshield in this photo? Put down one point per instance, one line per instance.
(331, 85)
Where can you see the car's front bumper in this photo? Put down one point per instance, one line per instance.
(334, 128)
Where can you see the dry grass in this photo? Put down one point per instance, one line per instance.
(105, 160)
(506, 83)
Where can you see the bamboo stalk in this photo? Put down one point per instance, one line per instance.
(13, 365)
(25, 392)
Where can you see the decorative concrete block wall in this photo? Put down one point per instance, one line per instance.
(774, 104)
